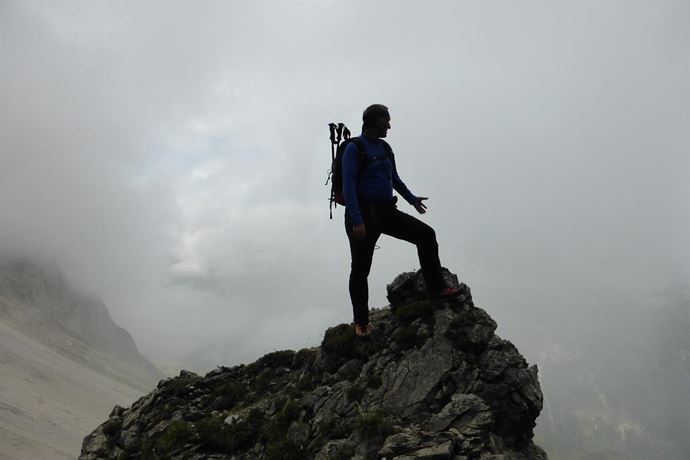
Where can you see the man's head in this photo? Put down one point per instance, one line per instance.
(376, 121)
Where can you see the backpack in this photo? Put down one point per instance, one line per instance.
(339, 132)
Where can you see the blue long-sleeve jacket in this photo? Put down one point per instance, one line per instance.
(375, 184)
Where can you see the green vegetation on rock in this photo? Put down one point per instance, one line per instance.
(173, 437)
(373, 424)
(341, 342)
(284, 449)
(406, 337)
(334, 427)
(180, 385)
(283, 358)
(343, 453)
(216, 435)
(410, 312)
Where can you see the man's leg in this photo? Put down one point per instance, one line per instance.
(405, 227)
(362, 252)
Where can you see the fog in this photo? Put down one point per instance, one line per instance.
(171, 157)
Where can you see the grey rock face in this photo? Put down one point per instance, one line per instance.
(432, 382)
(465, 412)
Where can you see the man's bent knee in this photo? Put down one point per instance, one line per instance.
(428, 237)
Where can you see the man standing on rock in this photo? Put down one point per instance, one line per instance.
(371, 210)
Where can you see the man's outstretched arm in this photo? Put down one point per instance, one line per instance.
(400, 187)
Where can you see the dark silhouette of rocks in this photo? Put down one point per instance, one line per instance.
(432, 382)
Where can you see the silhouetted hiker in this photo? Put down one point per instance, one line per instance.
(371, 210)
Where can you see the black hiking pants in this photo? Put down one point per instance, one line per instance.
(389, 220)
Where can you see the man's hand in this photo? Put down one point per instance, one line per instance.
(419, 205)
(359, 231)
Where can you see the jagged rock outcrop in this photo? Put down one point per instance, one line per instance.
(432, 382)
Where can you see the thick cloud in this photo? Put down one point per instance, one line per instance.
(172, 156)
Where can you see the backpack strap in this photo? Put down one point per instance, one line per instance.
(388, 149)
(363, 158)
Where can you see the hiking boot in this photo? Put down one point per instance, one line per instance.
(445, 293)
(363, 330)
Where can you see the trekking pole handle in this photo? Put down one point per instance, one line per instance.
(332, 127)
(340, 131)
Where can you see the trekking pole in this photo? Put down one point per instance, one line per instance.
(340, 132)
(346, 133)
(332, 127)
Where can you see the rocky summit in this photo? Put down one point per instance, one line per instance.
(432, 382)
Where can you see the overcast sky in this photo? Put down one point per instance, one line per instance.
(171, 156)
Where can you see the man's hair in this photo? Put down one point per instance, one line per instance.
(373, 113)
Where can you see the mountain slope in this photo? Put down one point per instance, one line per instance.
(37, 300)
(58, 376)
(48, 401)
